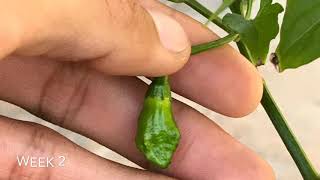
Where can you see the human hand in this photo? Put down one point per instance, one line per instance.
(61, 75)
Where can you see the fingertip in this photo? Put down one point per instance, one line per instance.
(228, 83)
(248, 92)
(265, 172)
(260, 169)
(257, 168)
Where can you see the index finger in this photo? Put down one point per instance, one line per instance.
(220, 79)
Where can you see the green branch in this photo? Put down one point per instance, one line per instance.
(224, 5)
(288, 138)
(243, 7)
(201, 9)
(213, 44)
(249, 9)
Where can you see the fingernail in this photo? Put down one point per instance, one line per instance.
(171, 33)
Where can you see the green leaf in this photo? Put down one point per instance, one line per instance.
(300, 34)
(256, 34)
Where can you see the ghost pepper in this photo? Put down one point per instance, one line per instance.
(157, 135)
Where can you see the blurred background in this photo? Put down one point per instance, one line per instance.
(296, 92)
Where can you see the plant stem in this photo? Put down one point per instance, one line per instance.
(249, 9)
(220, 9)
(195, 5)
(288, 138)
(206, 13)
(213, 44)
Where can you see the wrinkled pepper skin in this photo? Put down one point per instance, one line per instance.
(158, 135)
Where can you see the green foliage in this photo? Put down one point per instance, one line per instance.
(256, 34)
(300, 34)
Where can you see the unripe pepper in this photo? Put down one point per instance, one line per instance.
(158, 135)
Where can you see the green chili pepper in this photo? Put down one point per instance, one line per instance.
(158, 135)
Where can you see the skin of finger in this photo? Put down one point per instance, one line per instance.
(118, 37)
(57, 29)
(228, 82)
(230, 85)
(93, 105)
(8, 32)
(28, 139)
(138, 50)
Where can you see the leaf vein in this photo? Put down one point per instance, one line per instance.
(303, 34)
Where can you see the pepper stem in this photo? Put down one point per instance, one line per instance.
(161, 80)
(160, 88)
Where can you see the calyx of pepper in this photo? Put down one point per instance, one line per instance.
(158, 136)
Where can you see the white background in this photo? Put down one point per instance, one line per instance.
(296, 91)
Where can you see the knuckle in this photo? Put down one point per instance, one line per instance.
(39, 139)
(62, 99)
(39, 142)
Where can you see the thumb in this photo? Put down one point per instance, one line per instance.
(146, 42)
(115, 37)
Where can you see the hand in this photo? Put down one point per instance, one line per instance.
(56, 68)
